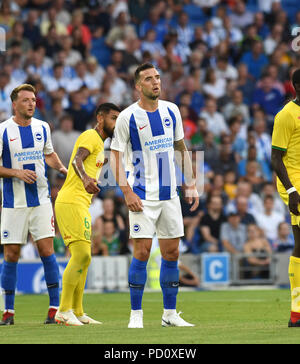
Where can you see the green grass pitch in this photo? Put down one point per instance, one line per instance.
(221, 317)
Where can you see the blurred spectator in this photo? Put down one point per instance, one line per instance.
(230, 184)
(240, 16)
(269, 219)
(237, 107)
(268, 98)
(210, 226)
(242, 209)
(64, 138)
(51, 19)
(80, 116)
(284, 242)
(214, 119)
(31, 29)
(255, 59)
(120, 31)
(259, 251)
(233, 234)
(213, 86)
(83, 30)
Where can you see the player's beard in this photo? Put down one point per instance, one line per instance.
(150, 95)
(108, 131)
(26, 115)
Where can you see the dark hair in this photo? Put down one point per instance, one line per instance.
(296, 77)
(106, 107)
(142, 67)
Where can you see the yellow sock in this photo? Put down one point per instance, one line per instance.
(75, 272)
(78, 294)
(294, 276)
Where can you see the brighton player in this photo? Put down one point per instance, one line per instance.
(25, 150)
(72, 213)
(148, 133)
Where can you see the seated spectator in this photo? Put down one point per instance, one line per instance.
(242, 209)
(80, 116)
(259, 253)
(64, 138)
(153, 46)
(213, 86)
(244, 188)
(210, 225)
(254, 175)
(255, 60)
(233, 234)
(269, 189)
(237, 107)
(268, 98)
(284, 242)
(269, 219)
(120, 31)
(230, 184)
(225, 70)
(241, 17)
(189, 126)
(263, 166)
(227, 160)
(263, 138)
(245, 83)
(214, 119)
(112, 239)
(83, 30)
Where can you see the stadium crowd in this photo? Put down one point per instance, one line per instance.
(225, 63)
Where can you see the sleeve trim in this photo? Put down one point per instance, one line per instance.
(283, 149)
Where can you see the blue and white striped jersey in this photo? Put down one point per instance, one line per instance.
(147, 140)
(25, 147)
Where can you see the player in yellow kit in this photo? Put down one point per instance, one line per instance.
(286, 163)
(72, 213)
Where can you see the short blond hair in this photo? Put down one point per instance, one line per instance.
(24, 86)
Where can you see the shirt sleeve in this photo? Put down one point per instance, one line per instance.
(121, 134)
(48, 147)
(283, 129)
(87, 141)
(179, 133)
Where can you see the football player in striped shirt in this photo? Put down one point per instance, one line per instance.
(26, 150)
(148, 133)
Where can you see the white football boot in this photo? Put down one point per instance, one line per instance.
(136, 319)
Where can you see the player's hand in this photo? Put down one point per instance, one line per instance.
(294, 200)
(133, 202)
(63, 170)
(26, 175)
(90, 185)
(191, 196)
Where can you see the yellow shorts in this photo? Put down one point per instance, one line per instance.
(74, 222)
(295, 220)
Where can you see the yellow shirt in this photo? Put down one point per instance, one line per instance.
(286, 136)
(73, 190)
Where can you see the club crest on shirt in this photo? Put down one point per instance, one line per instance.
(38, 136)
(167, 122)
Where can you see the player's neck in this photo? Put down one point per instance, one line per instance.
(21, 121)
(148, 104)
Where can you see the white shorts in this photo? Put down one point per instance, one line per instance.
(161, 217)
(16, 223)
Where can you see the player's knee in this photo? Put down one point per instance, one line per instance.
(171, 254)
(142, 254)
(12, 255)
